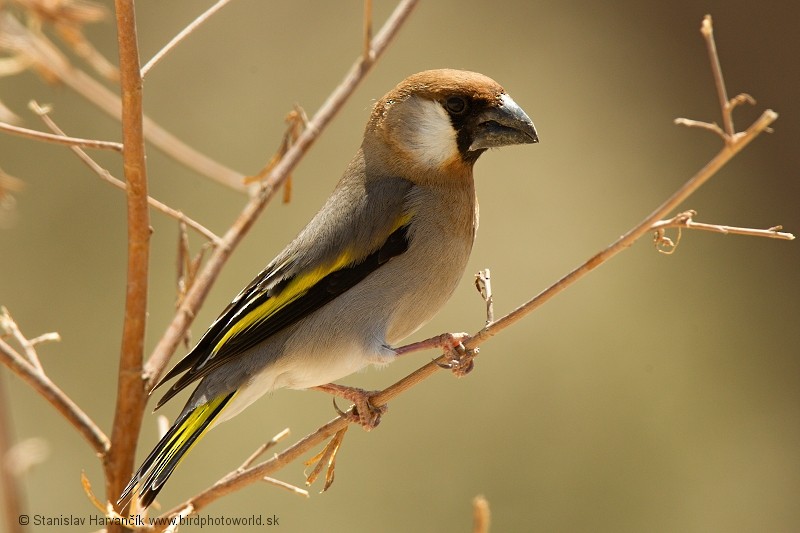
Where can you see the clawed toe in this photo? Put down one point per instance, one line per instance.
(363, 412)
(366, 414)
(460, 359)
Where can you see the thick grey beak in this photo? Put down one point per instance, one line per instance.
(502, 126)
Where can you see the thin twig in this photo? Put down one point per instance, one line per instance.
(57, 398)
(106, 176)
(368, 56)
(707, 29)
(263, 448)
(685, 220)
(60, 139)
(196, 296)
(131, 397)
(28, 347)
(182, 35)
(713, 127)
(287, 486)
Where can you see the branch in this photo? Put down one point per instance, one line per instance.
(182, 35)
(368, 55)
(685, 221)
(38, 380)
(60, 139)
(708, 34)
(131, 397)
(239, 478)
(196, 296)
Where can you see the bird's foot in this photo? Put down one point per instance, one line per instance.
(363, 412)
(460, 360)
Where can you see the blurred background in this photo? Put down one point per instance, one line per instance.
(659, 394)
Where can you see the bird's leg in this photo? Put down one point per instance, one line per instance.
(363, 411)
(460, 360)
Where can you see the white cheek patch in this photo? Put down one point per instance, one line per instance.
(430, 138)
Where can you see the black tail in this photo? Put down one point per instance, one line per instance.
(148, 481)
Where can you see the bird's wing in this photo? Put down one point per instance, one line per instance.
(305, 276)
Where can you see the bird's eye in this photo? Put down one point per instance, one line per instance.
(456, 105)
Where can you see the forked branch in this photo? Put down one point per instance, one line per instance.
(28, 368)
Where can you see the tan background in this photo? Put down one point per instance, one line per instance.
(659, 394)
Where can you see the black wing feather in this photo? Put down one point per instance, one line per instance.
(322, 292)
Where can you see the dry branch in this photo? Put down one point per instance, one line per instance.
(131, 398)
(30, 370)
(182, 35)
(57, 398)
(685, 220)
(60, 139)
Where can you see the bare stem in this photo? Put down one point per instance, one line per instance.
(286, 486)
(263, 448)
(131, 396)
(707, 29)
(685, 220)
(182, 35)
(368, 30)
(57, 398)
(28, 347)
(60, 139)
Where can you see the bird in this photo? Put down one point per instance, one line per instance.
(380, 258)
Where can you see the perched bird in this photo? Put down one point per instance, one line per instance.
(377, 262)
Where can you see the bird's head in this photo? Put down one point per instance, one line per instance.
(443, 120)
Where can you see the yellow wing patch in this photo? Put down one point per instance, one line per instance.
(294, 290)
